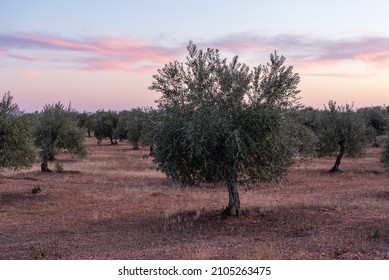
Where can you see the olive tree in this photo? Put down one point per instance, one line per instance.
(56, 129)
(121, 130)
(376, 117)
(105, 125)
(16, 148)
(223, 121)
(86, 121)
(385, 156)
(133, 125)
(137, 127)
(343, 131)
(151, 121)
(130, 125)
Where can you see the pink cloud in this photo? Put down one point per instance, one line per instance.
(26, 57)
(308, 51)
(92, 53)
(31, 74)
(146, 69)
(342, 74)
(119, 53)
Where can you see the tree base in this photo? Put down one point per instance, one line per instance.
(233, 208)
(45, 167)
(232, 212)
(152, 151)
(335, 169)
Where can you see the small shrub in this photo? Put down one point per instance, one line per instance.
(58, 167)
(37, 253)
(375, 235)
(36, 189)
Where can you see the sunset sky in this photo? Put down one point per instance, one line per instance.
(102, 54)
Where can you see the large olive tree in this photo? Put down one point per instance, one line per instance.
(56, 129)
(222, 121)
(16, 148)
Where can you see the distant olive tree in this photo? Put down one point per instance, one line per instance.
(136, 127)
(343, 131)
(86, 121)
(133, 125)
(105, 124)
(309, 117)
(222, 121)
(16, 148)
(152, 120)
(56, 129)
(377, 117)
(121, 130)
(385, 155)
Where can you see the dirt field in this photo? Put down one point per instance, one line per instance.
(116, 205)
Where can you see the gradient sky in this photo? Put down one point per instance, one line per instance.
(102, 54)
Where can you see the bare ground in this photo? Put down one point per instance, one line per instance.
(116, 205)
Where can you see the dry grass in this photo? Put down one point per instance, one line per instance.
(116, 205)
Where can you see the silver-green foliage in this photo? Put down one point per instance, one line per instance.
(342, 130)
(222, 121)
(385, 155)
(377, 117)
(16, 149)
(105, 125)
(132, 125)
(56, 129)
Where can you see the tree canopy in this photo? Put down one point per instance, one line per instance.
(385, 156)
(222, 121)
(376, 117)
(56, 129)
(16, 149)
(342, 130)
(105, 125)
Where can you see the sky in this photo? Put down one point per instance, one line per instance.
(102, 54)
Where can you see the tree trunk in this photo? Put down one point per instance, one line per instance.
(135, 146)
(151, 150)
(113, 141)
(45, 166)
(233, 208)
(336, 168)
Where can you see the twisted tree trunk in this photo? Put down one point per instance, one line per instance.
(336, 168)
(233, 208)
(45, 166)
(152, 152)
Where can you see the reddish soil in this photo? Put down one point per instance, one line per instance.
(116, 205)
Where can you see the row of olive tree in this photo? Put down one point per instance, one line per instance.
(131, 125)
(53, 129)
(58, 128)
